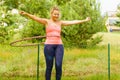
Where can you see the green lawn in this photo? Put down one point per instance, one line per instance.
(78, 64)
(110, 37)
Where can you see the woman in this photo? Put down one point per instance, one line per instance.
(53, 45)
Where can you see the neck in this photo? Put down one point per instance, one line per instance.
(54, 20)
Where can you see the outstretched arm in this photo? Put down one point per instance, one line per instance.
(40, 20)
(67, 23)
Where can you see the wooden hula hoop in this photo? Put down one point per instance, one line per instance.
(25, 39)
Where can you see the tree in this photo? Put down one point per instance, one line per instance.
(10, 21)
(76, 35)
(118, 15)
(81, 35)
(3, 24)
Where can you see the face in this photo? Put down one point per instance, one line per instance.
(55, 15)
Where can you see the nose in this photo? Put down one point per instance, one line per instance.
(56, 15)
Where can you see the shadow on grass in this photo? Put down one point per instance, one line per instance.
(88, 77)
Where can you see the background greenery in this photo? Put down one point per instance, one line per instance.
(74, 36)
(86, 63)
(118, 15)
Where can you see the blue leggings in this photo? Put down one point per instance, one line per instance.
(52, 51)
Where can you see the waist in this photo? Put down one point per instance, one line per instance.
(53, 40)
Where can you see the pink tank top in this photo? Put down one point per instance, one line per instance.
(53, 34)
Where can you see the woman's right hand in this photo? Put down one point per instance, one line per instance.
(23, 13)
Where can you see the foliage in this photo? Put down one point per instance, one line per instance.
(75, 35)
(117, 23)
(3, 23)
(118, 15)
(78, 35)
(3, 34)
(10, 21)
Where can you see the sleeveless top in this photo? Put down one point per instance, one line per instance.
(53, 34)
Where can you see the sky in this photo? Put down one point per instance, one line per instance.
(108, 5)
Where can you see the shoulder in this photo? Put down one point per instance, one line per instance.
(64, 23)
(44, 20)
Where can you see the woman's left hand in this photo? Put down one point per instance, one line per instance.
(88, 19)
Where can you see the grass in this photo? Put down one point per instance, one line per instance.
(112, 38)
(89, 77)
(78, 64)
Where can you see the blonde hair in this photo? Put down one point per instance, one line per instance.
(54, 8)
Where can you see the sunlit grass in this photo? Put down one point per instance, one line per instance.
(110, 37)
(78, 64)
(87, 64)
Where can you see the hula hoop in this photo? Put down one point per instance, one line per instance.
(25, 39)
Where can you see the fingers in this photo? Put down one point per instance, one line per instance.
(22, 12)
(88, 18)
